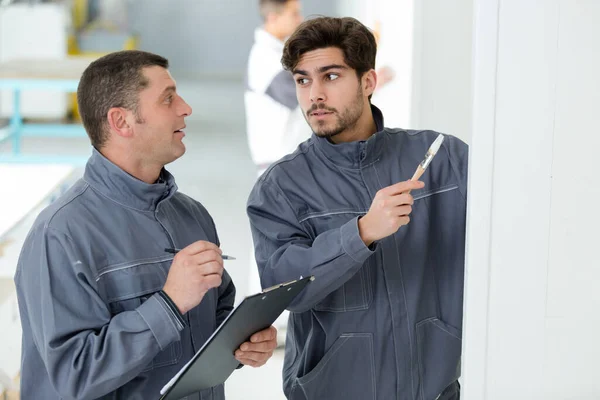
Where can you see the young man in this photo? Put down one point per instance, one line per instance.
(382, 319)
(106, 313)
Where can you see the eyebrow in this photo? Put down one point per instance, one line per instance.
(168, 89)
(321, 69)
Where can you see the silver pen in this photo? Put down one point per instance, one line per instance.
(175, 251)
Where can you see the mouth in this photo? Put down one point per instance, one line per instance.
(320, 113)
(180, 130)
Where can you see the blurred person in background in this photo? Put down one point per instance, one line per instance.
(274, 122)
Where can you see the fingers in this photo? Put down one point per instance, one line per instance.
(403, 211)
(265, 335)
(204, 268)
(402, 187)
(211, 273)
(208, 256)
(395, 201)
(212, 268)
(259, 349)
(255, 358)
(212, 281)
(404, 220)
(259, 360)
(210, 260)
(199, 247)
(399, 215)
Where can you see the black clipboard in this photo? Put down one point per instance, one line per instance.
(214, 362)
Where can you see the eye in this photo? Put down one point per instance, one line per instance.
(332, 77)
(169, 99)
(302, 81)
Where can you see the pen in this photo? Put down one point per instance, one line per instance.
(175, 251)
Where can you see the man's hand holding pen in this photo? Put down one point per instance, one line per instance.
(195, 270)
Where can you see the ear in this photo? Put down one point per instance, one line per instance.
(369, 82)
(118, 120)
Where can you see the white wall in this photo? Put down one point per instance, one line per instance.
(532, 323)
(442, 66)
(395, 50)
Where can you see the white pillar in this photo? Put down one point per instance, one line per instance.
(531, 318)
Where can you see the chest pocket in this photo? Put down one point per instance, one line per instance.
(356, 294)
(424, 194)
(127, 285)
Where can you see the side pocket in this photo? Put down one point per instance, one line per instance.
(331, 378)
(439, 349)
(354, 295)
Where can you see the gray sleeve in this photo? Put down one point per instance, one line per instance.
(86, 352)
(458, 153)
(282, 89)
(284, 251)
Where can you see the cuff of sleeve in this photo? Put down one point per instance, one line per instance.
(160, 320)
(173, 308)
(353, 244)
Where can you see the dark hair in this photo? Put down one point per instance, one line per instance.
(354, 39)
(268, 6)
(114, 80)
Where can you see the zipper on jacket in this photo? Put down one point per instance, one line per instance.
(163, 227)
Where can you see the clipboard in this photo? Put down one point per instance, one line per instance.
(214, 362)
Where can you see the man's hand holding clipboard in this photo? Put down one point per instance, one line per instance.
(259, 349)
(247, 329)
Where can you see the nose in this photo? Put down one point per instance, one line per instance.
(317, 94)
(185, 108)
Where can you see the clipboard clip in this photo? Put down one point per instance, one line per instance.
(312, 278)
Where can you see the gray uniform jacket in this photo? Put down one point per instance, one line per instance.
(381, 322)
(94, 325)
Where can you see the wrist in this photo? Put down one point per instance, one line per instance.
(173, 300)
(175, 311)
(363, 231)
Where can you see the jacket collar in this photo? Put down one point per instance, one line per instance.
(112, 182)
(353, 155)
